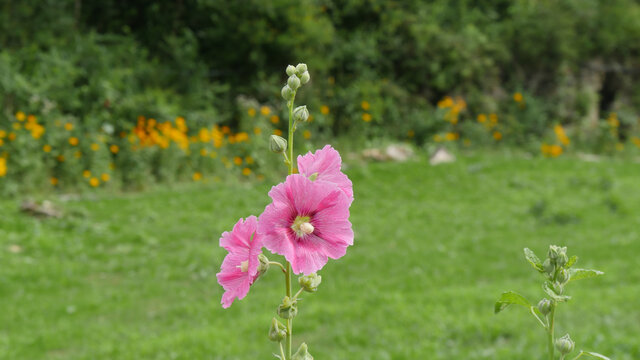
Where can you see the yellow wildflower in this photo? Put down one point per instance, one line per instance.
(114, 148)
(246, 171)
(105, 177)
(497, 135)
(73, 141)
(366, 117)
(237, 160)
(365, 105)
(20, 116)
(306, 134)
(265, 110)
(94, 182)
(324, 109)
(482, 118)
(517, 97)
(95, 147)
(86, 174)
(277, 132)
(275, 119)
(53, 181)
(251, 112)
(197, 176)
(68, 126)
(46, 148)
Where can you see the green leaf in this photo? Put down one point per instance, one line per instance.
(559, 298)
(533, 259)
(511, 298)
(595, 355)
(572, 260)
(579, 274)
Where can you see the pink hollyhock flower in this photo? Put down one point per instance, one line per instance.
(307, 222)
(326, 164)
(240, 267)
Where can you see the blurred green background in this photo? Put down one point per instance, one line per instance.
(539, 101)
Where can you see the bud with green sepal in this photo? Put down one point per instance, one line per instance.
(563, 276)
(565, 345)
(277, 331)
(305, 77)
(302, 353)
(263, 265)
(287, 93)
(549, 267)
(293, 82)
(544, 306)
(277, 144)
(310, 283)
(301, 69)
(301, 114)
(288, 309)
(290, 70)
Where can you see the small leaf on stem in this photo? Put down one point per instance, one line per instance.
(578, 274)
(511, 298)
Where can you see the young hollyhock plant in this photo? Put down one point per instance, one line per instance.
(307, 222)
(558, 272)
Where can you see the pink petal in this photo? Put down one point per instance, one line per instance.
(326, 163)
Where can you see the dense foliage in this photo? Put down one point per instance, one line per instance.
(380, 70)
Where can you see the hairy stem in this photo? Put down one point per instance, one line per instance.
(288, 266)
(550, 330)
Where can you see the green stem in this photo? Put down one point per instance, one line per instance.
(288, 272)
(278, 264)
(550, 330)
(282, 352)
(298, 294)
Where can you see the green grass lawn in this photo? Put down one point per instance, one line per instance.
(132, 276)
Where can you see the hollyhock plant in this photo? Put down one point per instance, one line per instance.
(307, 222)
(240, 266)
(325, 165)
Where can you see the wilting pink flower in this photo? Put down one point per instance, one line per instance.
(326, 164)
(307, 222)
(240, 267)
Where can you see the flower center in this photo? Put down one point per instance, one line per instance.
(301, 226)
(244, 266)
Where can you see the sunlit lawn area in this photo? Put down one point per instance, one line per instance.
(132, 276)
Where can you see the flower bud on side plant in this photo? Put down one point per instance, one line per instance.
(300, 69)
(288, 309)
(291, 70)
(293, 82)
(277, 331)
(565, 345)
(305, 77)
(277, 144)
(287, 93)
(301, 113)
(563, 276)
(310, 282)
(562, 259)
(549, 267)
(302, 353)
(553, 253)
(544, 306)
(264, 264)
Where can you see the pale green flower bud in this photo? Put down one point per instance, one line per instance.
(544, 306)
(293, 82)
(288, 309)
(277, 144)
(302, 353)
(557, 288)
(562, 259)
(301, 113)
(287, 93)
(563, 276)
(277, 331)
(291, 70)
(548, 267)
(565, 345)
(264, 264)
(553, 252)
(310, 283)
(305, 77)
(300, 69)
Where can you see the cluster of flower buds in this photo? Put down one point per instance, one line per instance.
(556, 268)
(298, 76)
